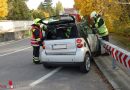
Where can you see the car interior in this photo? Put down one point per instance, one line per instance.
(64, 28)
(61, 31)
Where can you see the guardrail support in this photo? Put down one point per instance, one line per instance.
(114, 64)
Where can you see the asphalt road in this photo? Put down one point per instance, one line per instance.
(16, 65)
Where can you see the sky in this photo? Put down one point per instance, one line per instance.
(33, 4)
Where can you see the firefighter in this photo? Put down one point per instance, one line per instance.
(36, 39)
(99, 24)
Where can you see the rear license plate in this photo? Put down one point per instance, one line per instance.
(59, 46)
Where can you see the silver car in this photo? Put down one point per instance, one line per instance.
(68, 43)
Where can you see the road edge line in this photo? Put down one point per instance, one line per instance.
(44, 77)
(14, 51)
(11, 41)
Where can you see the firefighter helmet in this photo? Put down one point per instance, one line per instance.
(36, 21)
(93, 14)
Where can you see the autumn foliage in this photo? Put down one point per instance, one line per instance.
(3, 8)
(115, 14)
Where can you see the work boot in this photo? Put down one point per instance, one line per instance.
(36, 60)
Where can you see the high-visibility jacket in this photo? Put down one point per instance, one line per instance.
(37, 36)
(102, 30)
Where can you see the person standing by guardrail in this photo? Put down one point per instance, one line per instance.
(99, 24)
(36, 39)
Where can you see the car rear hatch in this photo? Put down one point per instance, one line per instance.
(60, 47)
(60, 36)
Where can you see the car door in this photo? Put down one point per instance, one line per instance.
(92, 38)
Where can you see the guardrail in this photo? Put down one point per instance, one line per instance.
(13, 29)
(13, 26)
(118, 54)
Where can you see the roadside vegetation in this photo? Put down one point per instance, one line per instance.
(122, 41)
(18, 10)
(116, 15)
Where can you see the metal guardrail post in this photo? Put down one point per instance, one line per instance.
(113, 63)
(113, 60)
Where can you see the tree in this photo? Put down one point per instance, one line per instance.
(46, 8)
(18, 10)
(3, 8)
(109, 9)
(37, 14)
(115, 12)
(59, 8)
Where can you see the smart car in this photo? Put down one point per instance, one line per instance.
(68, 43)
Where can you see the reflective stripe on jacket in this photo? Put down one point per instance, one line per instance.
(34, 42)
(102, 30)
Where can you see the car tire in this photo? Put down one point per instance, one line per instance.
(85, 67)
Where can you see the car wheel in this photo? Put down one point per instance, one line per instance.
(85, 67)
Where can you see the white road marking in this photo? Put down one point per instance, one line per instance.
(44, 77)
(10, 42)
(14, 51)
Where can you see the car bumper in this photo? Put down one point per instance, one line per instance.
(76, 58)
(63, 63)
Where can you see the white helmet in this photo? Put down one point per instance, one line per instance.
(93, 14)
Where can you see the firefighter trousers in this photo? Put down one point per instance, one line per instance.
(36, 53)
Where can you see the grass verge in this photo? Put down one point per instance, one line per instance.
(121, 40)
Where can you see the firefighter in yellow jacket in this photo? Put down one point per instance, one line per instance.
(36, 39)
(102, 30)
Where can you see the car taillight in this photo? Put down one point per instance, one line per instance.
(79, 43)
(78, 40)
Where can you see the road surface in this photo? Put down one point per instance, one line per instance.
(16, 65)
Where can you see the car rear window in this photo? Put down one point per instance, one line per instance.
(61, 31)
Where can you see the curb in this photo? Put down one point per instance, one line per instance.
(109, 79)
(117, 78)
